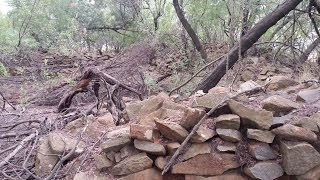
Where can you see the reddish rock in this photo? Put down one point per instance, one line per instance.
(228, 176)
(171, 130)
(206, 164)
(278, 104)
(149, 147)
(280, 82)
(172, 147)
(202, 134)
(260, 135)
(147, 133)
(196, 149)
(230, 135)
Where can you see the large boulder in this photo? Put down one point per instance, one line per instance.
(253, 117)
(280, 82)
(149, 147)
(132, 164)
(264, 171)
(298, 157)
(294, 133)
(278, 104)
(171, 130)
(207, 164)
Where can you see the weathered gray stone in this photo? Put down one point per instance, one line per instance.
(294, 133)
(115, 144)
(298, 157)
(89, 175)
(230, 135)
(228, 121)
(132, 164)
(253, 117)
(260, 135)
(149, 147)
(265, 171)
(308, 95)
(262, 151)
(278, 104)
(206, 164)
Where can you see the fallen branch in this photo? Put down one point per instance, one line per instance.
(196, 127)
(18, 148)
(6, 101)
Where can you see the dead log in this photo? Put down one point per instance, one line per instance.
(247, 41)
(304, 56)
(115, 104)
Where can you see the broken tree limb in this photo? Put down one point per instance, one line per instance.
(17, 149)
(196, 127)
(247, 41)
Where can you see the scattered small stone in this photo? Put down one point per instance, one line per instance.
(249, 85)
(230, 135)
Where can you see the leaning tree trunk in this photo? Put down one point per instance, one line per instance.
(304, 57)
(189, 30)
(247, 41)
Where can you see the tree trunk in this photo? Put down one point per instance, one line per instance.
(247, 41)
(304, 57)
(189, 30)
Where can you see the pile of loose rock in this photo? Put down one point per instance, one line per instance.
(266, 135)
